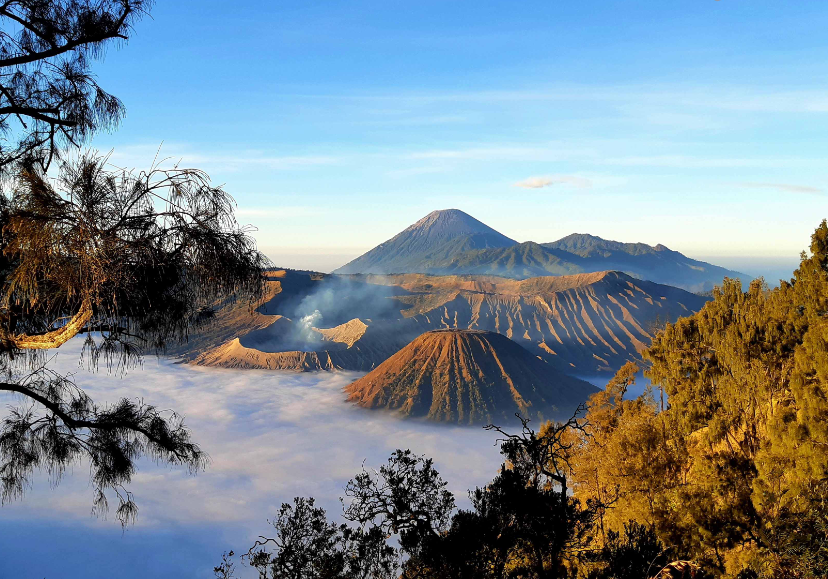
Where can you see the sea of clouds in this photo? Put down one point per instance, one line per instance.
(271, 436)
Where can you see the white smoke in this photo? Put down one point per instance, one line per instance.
(326, 304)
(305, 326)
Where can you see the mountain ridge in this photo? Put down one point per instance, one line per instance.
(450, 242)
(586, 324)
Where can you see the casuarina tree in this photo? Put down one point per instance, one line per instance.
(49, 98)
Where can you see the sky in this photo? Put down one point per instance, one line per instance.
(698, 124)
(271, 436)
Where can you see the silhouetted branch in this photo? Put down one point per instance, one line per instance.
(137, 257)
(46, 84)
(547, 454)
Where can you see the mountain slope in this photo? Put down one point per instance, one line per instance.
(451, 242)
(655, 263)
(468, 377)
(437, 236)
(520, 261)
(585, 254)
(585, 325)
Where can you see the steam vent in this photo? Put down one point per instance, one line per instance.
(468, 377)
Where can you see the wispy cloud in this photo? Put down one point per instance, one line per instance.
(787, 187)
(183, 155)
(543, 152)
(598, 153)
(646, 115)
(746, 98)
(405, 119)
(540, 182)
(694, 162)
(414, 171)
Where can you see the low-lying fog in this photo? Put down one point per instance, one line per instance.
(271, 436)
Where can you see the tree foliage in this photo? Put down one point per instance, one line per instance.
(49, 99)
(632, 553)
(627, 463)
(523, 524)
(131, 261)
(308, 546)
(734, 471)
(405, 497)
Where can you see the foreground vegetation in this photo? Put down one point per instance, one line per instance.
(132, 260)
(725, 469)
(723, 474)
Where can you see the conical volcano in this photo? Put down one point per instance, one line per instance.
(468, 377)
(436, 236)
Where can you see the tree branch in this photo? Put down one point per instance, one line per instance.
(68, 46)
(74, 423)
(36, 114)
(55, 338)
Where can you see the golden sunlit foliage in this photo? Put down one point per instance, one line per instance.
(732, 472)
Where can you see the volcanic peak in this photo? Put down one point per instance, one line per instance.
(468, 377)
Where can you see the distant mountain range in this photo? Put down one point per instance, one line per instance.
(451, 242)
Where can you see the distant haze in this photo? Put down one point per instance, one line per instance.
(312, 258)
(771, 268)
(450, 241)
(773, 265)
(325, 260)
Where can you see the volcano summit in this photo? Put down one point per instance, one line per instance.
(468, 377)
(434, 238)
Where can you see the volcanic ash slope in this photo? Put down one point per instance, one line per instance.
(468, 377)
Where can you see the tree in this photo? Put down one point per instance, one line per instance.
(49, 99)
(634, 553)
(405, 497)
(523, 524)
(549, 527)
(131, 260)
(627, 465)
(731, 473)
(307, 546)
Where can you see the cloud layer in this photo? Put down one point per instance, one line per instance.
(271, 436)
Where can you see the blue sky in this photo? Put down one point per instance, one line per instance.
(702, 125)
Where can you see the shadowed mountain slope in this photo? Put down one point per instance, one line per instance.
(437, 237)
(655, 263)
(468, 377)
(585, 325)
(582, 324)
(520, 261)
(236, 318)
(451, 242)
